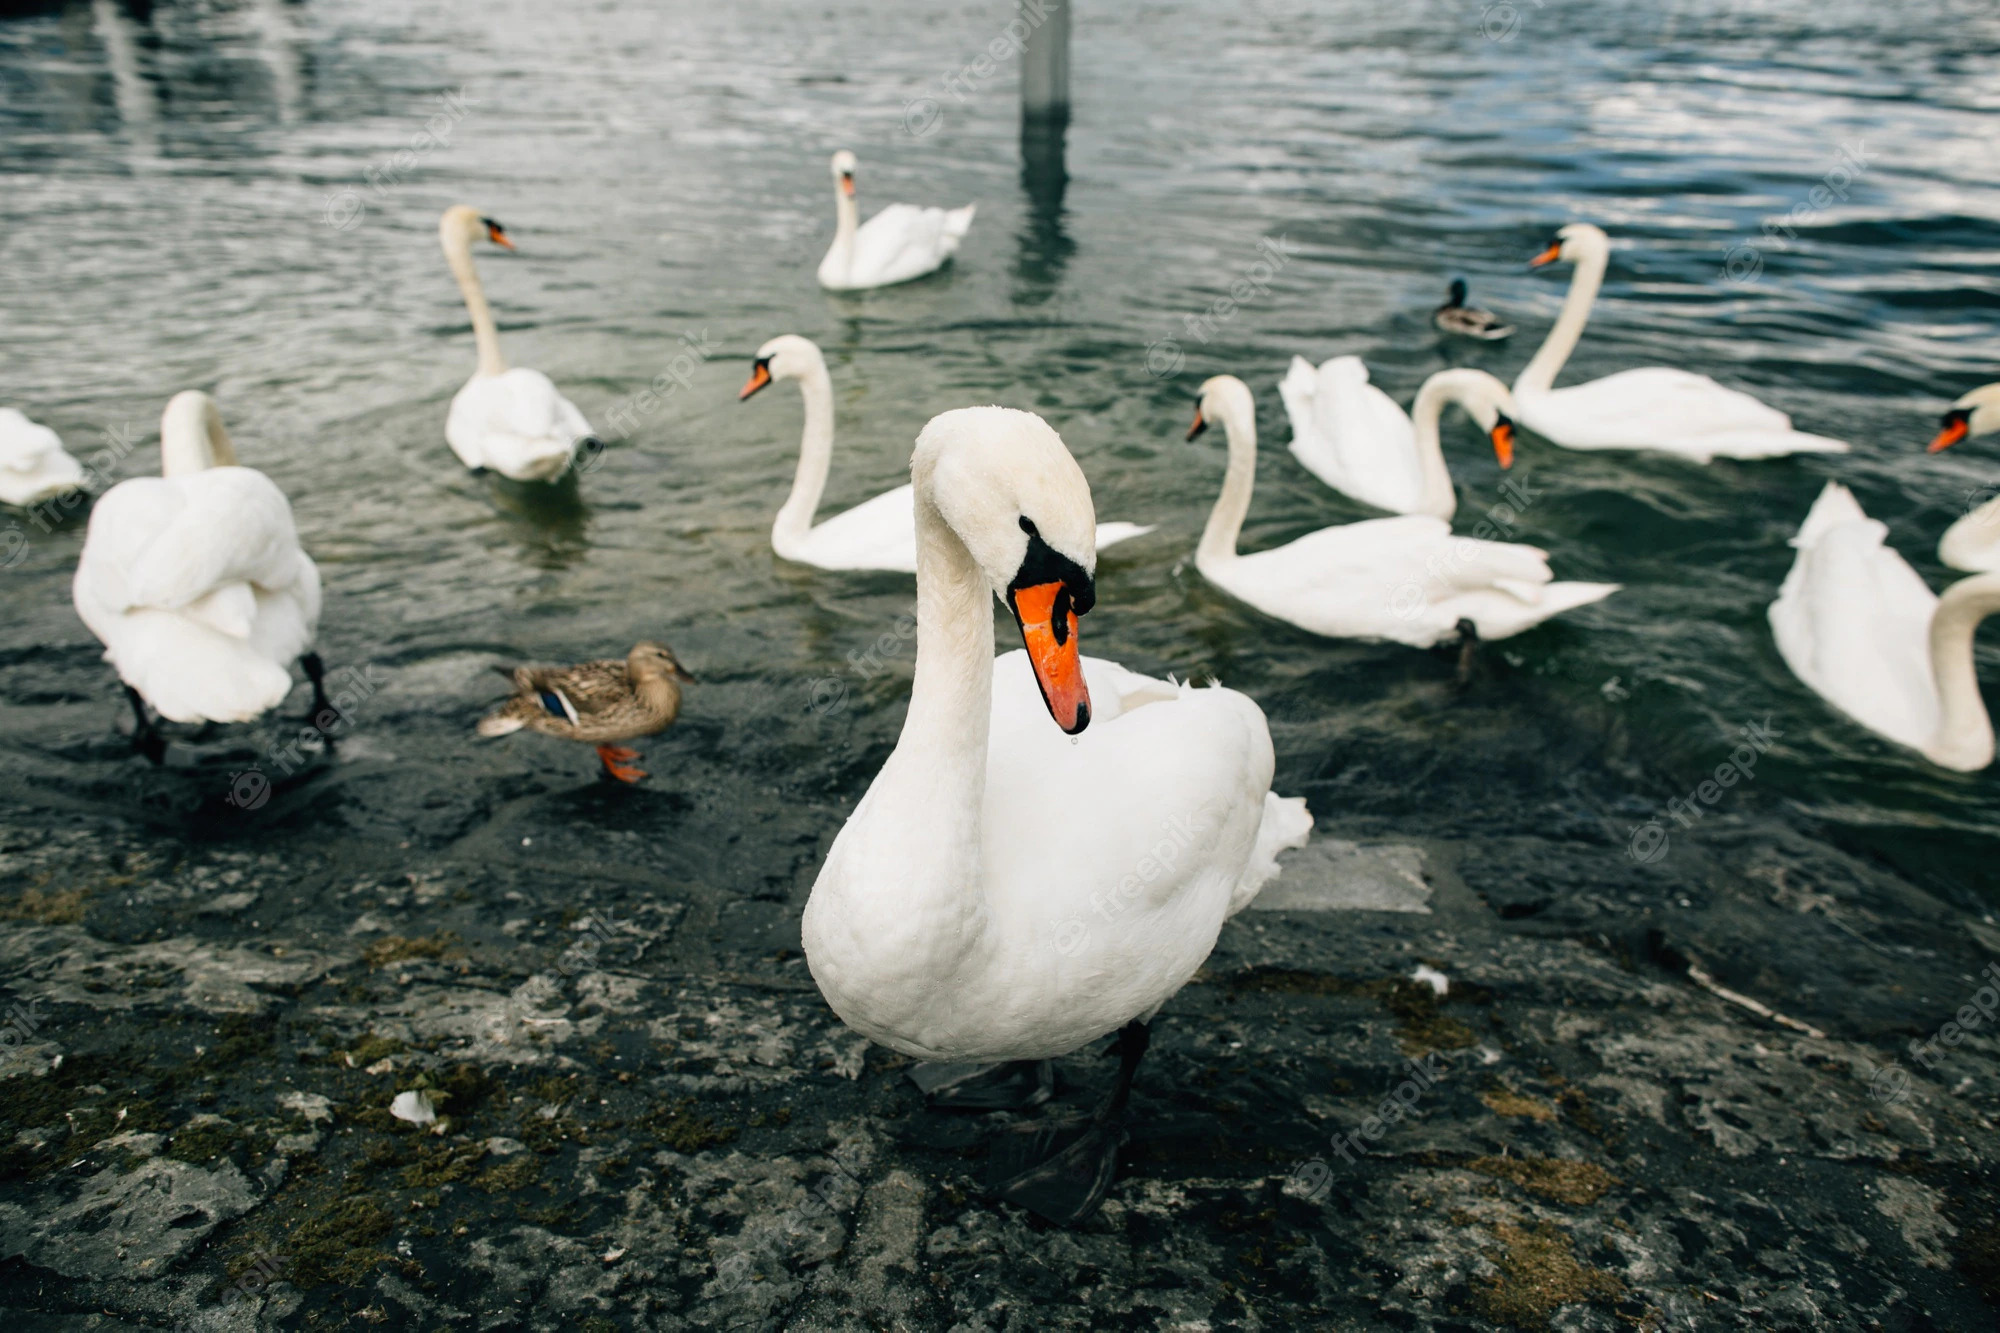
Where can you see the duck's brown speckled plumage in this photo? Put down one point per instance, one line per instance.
(611, 700)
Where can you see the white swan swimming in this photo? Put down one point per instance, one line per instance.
(511, 421)
(195, 582)
(1353, 437)
(1856, 623)
(34, 466)
(1405, 579)
(877, 534)
(1011, 888)
(901, 242)
(1972, 543)
(1654, 408)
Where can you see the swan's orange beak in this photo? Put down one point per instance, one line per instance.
(847, 184)
(1047, 617)
(497, 236)
(1548, 256)
(760, 375)
(1957, 424)
(1503, 442)
(1200, 423)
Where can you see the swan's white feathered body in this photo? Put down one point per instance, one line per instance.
(1003, 890)
(1654, 408)
(1864, 630)
(516, 424)
(1352, 436)
(33, 464)
(196, 585)
(902, 242)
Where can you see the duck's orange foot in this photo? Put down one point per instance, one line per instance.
(618, 762)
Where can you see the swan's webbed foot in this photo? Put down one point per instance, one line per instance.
(1062, 1169)
(1468, 649)
(1016, 1085)
(617, 762)
(146, 738)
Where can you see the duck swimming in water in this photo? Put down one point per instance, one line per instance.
(1466, 321)
(600, 702)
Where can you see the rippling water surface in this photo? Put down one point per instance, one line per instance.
(210, 195)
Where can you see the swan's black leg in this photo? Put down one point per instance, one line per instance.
(146, 737)
(316, 673)
(1061, 1170)
(1468, 649)
(1016, 1085)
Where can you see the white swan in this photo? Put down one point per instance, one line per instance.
(1972, 543)
(1856, 623)
(877, 534)
(1405, 579)
(33, 464)
(901, 242)
(511, 421)
(1012, 889)
(1655, 408)
(1353, 437)
(194, 580)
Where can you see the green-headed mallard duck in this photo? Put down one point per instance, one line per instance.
(596, 701)
(1467, 321)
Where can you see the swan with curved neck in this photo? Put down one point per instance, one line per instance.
(195, 582)
(1405, 579)
(510, 421)
(1973, 542)
(1862, 628)
(878, 534)
(901, 242)
(34, 466)
(1654, 408)
(1353, 437)
(949, 920)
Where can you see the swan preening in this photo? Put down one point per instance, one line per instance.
(1654, 408)
(877, 534)
(1973, 542)
(510, 421)
(943, 921)
(34, 466)
(1861, 627)
(901, 242)
(1404, 579)
(195, 583)
(1353, 437)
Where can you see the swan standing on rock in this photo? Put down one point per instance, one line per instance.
(952, 920)
(1856, 623)
(33, 464)
(195, 583)
(511, 421)
(877, 534)
(1405, 579)
(1972, 543)
(1353, 437)
(901, 242)
(1655, 408)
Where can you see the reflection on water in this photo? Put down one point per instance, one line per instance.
(663, 169)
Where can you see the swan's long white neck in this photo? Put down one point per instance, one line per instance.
(458, 253)
(1964, 738)
(1225, 521)
(794, 522)
(1437, 496)
(847, 221)
(1540, 375)
(192, 436)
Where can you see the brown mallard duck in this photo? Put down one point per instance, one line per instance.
(1468, 321)
(596, 701)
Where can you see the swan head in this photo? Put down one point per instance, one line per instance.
(1003, 482)
(461, 227)
(649, 660)
(785, 357)
(1573, 244)
(192, 436)
(843, 165)
(1978, 413)
(1226, 399)
(1485, 399)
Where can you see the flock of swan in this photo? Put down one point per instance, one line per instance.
(945, 922)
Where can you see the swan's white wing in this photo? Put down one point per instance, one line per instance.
(904, 241)
(231, 525)
(33, 464)
(1670, 411)
(1852, 620)
(514, 423)
(1351, 435)
(1973, 543)
(876, 534)
(1110, 534)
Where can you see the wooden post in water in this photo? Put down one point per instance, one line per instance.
(1045, 62)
